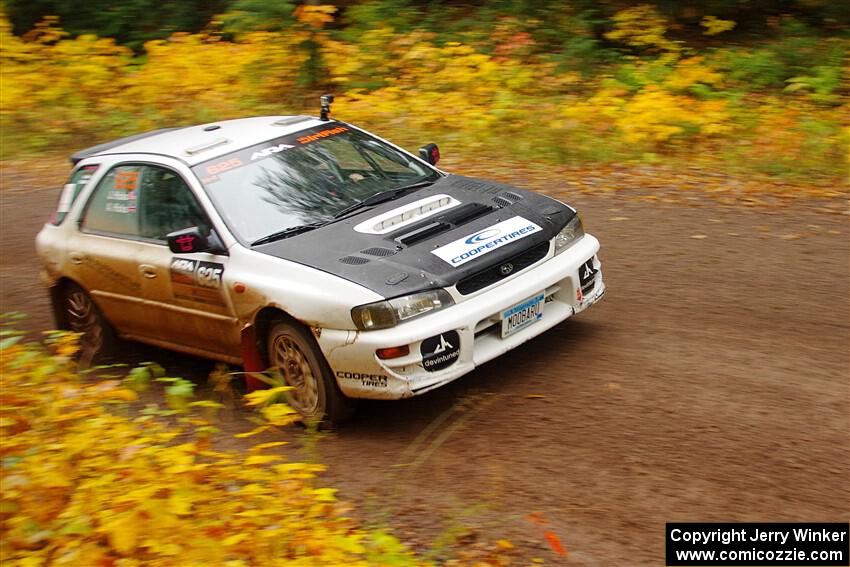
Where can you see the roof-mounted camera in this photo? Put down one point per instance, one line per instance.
(326, 100)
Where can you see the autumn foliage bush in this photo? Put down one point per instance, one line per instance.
(648, 96)
(89, 478)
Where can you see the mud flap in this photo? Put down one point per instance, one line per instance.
(252, 360)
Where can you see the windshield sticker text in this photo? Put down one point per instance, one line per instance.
(269, 151)
(222, 166)
(322, 134)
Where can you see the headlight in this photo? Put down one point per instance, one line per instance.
(389, 313)
(569, 234)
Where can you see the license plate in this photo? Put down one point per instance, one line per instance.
(522, 315)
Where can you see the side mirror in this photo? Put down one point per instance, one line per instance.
(189, 240)
(430, 153)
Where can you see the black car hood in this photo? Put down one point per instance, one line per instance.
(401, 261)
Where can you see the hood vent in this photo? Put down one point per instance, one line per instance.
(379, 252)
(353, 260)
(506, 199)
(477, 186)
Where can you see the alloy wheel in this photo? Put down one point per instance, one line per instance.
(293, 365)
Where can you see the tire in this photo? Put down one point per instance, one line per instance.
(83, 316)
(293, 352)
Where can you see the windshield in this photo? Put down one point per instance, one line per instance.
(304, 178)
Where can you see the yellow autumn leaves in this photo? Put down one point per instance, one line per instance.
(88, 480)
(75, 88)
(497, 95)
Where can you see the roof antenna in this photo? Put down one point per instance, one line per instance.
(326, 100)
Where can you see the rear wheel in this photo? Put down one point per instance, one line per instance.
(82, 315)
(293, 352)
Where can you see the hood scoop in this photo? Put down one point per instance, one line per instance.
(422, 233)
(407, 215)
(465, 213)
(456, 217)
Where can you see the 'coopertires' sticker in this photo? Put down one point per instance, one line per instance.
(470, 247)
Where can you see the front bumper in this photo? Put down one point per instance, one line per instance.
(361, 374)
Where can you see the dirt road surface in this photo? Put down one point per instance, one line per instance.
(711, 384)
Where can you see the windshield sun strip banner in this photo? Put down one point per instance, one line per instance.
(493, 237)
(208, 171)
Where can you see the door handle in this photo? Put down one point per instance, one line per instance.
(148, 271)
(77, 257)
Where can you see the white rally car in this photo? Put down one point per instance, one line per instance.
(307, 245)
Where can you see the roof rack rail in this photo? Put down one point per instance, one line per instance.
(83, 154)
(206, 146)
(290, 120)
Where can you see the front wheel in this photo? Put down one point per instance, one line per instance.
(315, 395)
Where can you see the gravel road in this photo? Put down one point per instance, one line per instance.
(711, 384)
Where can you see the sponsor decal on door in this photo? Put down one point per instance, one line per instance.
(194, 280)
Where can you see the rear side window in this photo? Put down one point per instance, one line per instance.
(79, 179)
(112, 208)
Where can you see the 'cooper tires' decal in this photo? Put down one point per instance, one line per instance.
(470, 247)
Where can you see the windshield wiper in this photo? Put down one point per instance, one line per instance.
(382, 197)
(287, 232)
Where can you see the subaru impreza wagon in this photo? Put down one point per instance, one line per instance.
(312, 247)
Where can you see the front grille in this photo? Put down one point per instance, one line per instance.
(493, 274)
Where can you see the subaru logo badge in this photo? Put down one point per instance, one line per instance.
(506, 269)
